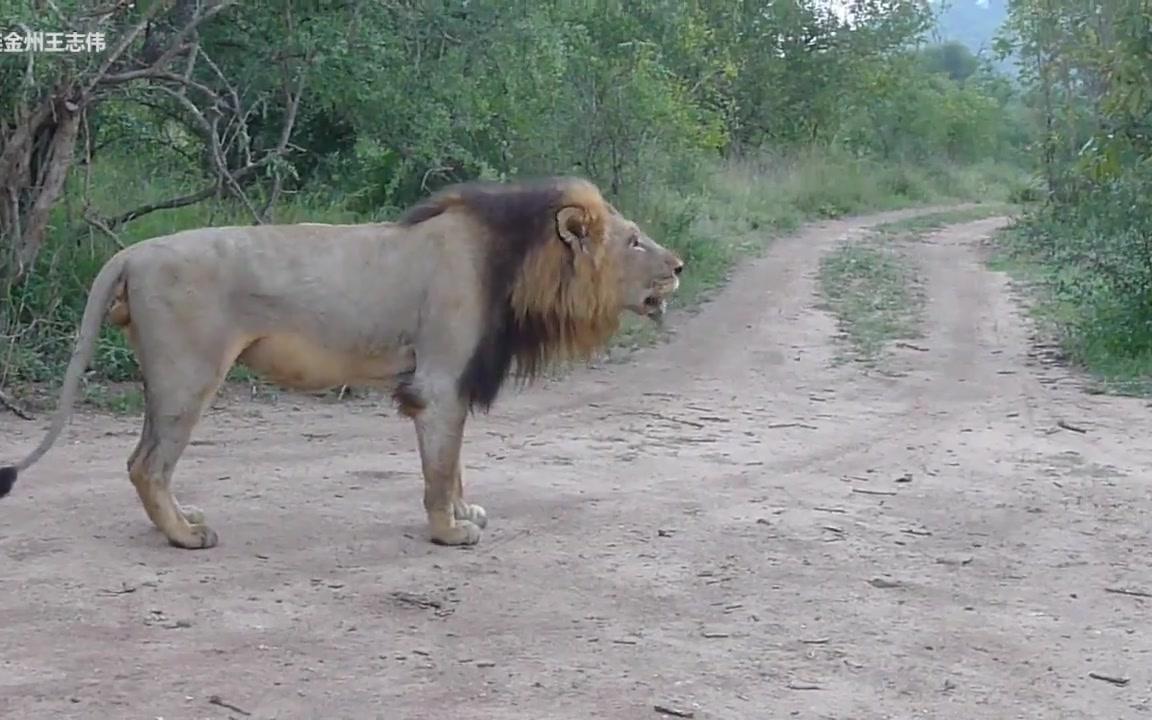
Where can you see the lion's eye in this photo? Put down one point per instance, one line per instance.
(634, 242)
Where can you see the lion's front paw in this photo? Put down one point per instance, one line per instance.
(472, 513)
(199, 537)
(463, 532)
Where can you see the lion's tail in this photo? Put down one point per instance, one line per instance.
(99, 296)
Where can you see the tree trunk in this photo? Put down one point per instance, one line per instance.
(31, 186)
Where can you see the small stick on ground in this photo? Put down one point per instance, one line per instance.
(803, 686)
(883, 583)
(665, 710)
(916, 531)
(16, 409)
(1070, 426)
(219, 702)
(1130, 593)
(865, 491)
(666, 418)
(1120, 681)
(777, 426)
(840, 511)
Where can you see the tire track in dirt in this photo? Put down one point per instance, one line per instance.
(685, 529)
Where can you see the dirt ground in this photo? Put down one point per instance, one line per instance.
(727, 525)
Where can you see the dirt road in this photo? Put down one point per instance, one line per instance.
(719, 527)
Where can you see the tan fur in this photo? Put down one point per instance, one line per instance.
(405, 307)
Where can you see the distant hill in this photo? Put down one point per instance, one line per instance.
(972, 22)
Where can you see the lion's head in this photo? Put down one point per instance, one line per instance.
(562, 264)
(649, 272)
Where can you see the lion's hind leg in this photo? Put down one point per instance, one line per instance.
(180, 379)
(174, 406)
(193, 515)
(151, 470)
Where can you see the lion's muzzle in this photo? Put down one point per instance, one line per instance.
(656, 303)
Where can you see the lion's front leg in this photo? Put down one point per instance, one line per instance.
(440, 433)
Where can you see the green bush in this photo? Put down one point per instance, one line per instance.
(1093, 261)
(714, 124)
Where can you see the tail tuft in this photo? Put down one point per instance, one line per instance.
(7, 479)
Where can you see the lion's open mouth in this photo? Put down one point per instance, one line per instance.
(655, 306)
(656, 301)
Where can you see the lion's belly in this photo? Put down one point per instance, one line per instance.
(301, 363)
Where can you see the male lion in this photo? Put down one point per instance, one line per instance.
(437, 308)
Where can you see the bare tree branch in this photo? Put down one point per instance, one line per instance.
(125, 41)
(293, 100)
(92, 219)
(158, 74)
(193, 55)
(194, 113)
(173, 203)
(273, 196)
(190, 199)
(176, 45)
(236, 105)
(16, 409)
(211, 132)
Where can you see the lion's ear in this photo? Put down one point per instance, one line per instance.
(573, 226)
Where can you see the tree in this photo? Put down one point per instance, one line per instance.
(953, 59)
(154, 59)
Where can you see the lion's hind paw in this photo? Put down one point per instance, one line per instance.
(472, 513)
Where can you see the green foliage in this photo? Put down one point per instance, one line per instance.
(953, 59)
(903, 107)
(1092, 263)
(712, 123)
(1086, 76)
